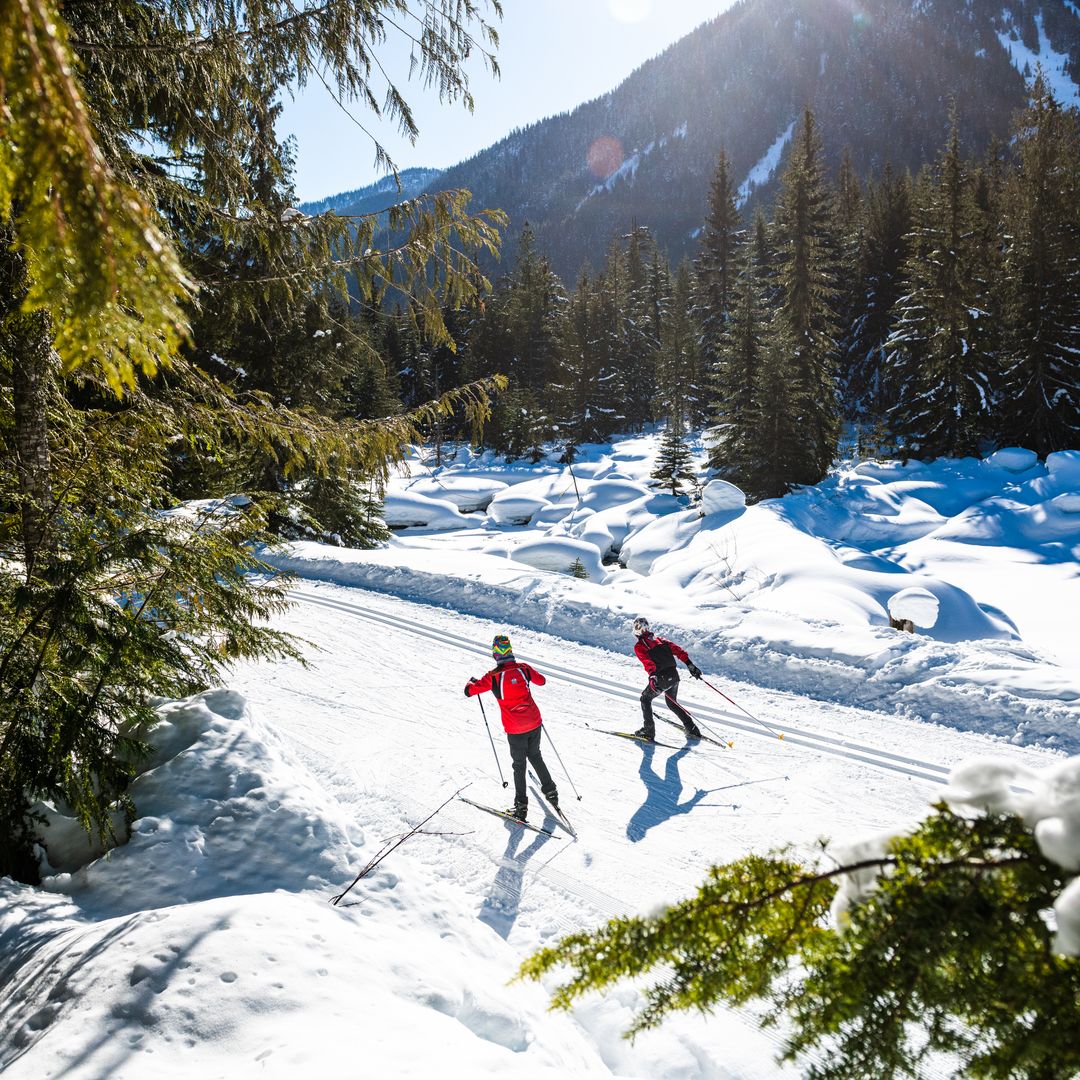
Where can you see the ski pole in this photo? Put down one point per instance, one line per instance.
(561, 765)
(671, 701)
(483, 713)
(770, 730)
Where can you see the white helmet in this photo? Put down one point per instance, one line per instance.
(641, 625)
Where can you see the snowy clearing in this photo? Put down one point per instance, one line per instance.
(207, 944)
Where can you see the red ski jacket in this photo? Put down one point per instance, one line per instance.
(510, 685)
(658, 654)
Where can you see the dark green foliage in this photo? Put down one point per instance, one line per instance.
(940, 348)
(879, 283)
(950, 954)
(716, 263)
(673, 460)
(1041, 399)
(806, 274)
(139, 167)
(737, 382)
(125, 603)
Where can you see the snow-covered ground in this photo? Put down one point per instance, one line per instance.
(207, 946)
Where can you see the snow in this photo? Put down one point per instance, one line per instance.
(763, 171)
(718, 496)
(1054, 64)
(560, 555)
(410, 509)
(206, 945)
(918, 606)
(468, 494)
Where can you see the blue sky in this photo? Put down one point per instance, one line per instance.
(554, 55)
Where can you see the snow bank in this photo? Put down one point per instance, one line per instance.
(410, 509)
(206, 946)
(560, 555)
(469, 494)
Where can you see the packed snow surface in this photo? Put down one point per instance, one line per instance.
(206, 945)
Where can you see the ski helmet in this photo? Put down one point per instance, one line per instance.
(641, 625)
(501, 649)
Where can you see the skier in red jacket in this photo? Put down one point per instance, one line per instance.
(658, 657)
(509, 681)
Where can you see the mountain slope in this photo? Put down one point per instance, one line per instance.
(880, 74)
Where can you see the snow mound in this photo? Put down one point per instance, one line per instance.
(1013, 459)
(220, 813)
(718, 497)
(559, 554)
(468, 494)
(1064, 469)
(916, 605)
(407, 510)
(663, 536)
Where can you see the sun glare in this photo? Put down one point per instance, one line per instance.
(630, 11)
(604, 156)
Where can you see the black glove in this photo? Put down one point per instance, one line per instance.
(695, 671)
(468, 686)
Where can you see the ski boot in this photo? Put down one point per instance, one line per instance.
(519, 811)
(646, 734)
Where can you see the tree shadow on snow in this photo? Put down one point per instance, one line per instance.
(661, 793)
(500, 907)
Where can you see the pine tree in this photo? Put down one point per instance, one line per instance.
(673, 460)
(938, 347)
(806, 268)
(589, 410)
(1041, 401)
(680, 383)
(738, 410)
(950, 955)
(881, 276)
(716, 263)
(631, 297)
(138, 155)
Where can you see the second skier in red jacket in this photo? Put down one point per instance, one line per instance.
(658, 657)
(510, 682)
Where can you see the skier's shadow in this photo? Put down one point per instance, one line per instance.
(661, 793)
(500, 907)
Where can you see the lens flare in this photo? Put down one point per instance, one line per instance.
(630, 11)
(604, 156)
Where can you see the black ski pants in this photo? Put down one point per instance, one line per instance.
(667, 683)
(525, 748)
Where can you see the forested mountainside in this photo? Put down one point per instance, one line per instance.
(880, 76)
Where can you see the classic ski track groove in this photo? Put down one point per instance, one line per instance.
(603, 904)
(882, 759)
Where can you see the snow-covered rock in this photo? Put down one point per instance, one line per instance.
(468, 494)
(407, 509)
(660, 537)
(560, 554)
(511, 508)
(1013, 459)
(718, 497)
(916, 605)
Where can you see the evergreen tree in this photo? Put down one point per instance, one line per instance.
(632, 295)
(590, 410)
(137, 156)
(1041, 401)
(948, 952)
(736, 383)
(806, 268)
(680, 383)
(938, 347)
(880, 274)
(716, 264)
(673, 460)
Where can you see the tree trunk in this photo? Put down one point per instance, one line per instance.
(27, 342)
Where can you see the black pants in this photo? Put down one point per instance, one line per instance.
(666, 683)
(526, 748)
